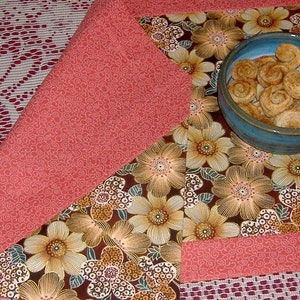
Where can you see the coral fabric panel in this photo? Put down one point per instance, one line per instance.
(91, 115)
(155, 7)
(235, 257)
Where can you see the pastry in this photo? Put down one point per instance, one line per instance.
(242, 91)
(244, 68)
(288, 119)
(267, 88)
(255, 111)
(274, 100)
(291, 83)
(271, 73)
(262, 60)
(288, 54)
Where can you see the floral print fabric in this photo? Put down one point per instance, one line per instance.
(200, 181)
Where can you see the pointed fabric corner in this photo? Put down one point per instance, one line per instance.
(109, 97)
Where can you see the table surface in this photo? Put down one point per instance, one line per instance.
(123, 239)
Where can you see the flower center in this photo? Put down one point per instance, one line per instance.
(160, 166)
(242, 191)
(256, 155)
(56, 248)
(102, 197)
(206, 148)
(264, 21)
(158, 216)
(294, 167)
(195, 107)
(204, 231)
(187, 67)
(111, 272)
(217, 38)
(157, 36)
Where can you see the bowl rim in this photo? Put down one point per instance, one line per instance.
(222, 85)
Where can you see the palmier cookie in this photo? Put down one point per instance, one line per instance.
(274, 100)
(288, 54)
(262, 60)
(255, 111)
(271, 73)
(244, 68)
(288, 119)
(242, 91)
(291, 83)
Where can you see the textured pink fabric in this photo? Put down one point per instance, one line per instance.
(91, 115)
(161, 7)
(235, 257)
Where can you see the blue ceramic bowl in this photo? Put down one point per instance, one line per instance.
(260, 135)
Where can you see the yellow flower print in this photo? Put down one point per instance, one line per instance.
(110, 274)
(192, 183)
(171, 252)
(11, 274)
(229, 17)
(208, 145)
(203, 223)
(49, 286)
(295, 19)
(288, 228)
(56, 252)
(241, 194)
(291, 198)
(105, 198)
(162, 35)
(216, 39)
(93, 231)
(200, 108)
(267, 19)
(192, 64)
(162, 291)
(287, 169)
(295, 29)
(254, 160)
(161, 167)
(158, 277)
(180, 132)
(267, 222)
(156, 216)
(123, 236)
(197, 17)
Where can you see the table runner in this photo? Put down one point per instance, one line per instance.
(64, 130)
(120, 172)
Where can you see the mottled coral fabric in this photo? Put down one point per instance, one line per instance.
(239, 257)
(78, 124)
